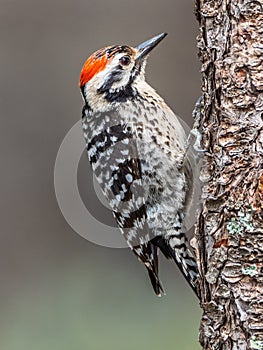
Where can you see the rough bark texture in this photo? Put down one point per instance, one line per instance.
(229, 231)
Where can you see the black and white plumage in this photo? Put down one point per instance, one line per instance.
(136, 145)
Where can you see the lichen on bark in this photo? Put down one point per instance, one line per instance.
(229, 232)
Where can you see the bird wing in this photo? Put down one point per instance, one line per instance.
(113, 154)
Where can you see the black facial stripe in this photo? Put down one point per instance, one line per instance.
(126, 92)
(113, 78)
(121, 95)
(136, 70)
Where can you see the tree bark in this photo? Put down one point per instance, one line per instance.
(229, 232)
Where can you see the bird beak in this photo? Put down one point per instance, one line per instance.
(147, 46)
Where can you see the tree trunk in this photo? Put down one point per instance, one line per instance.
(229, 232)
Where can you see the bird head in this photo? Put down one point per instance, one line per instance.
(110, 73)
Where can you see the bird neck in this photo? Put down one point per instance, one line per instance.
(101, 99)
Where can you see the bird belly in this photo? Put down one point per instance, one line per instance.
(164, 191)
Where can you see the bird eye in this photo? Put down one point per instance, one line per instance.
(125, 60)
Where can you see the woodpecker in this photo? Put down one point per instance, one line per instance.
(135, 145)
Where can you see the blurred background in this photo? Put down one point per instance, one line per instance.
(58, 290)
